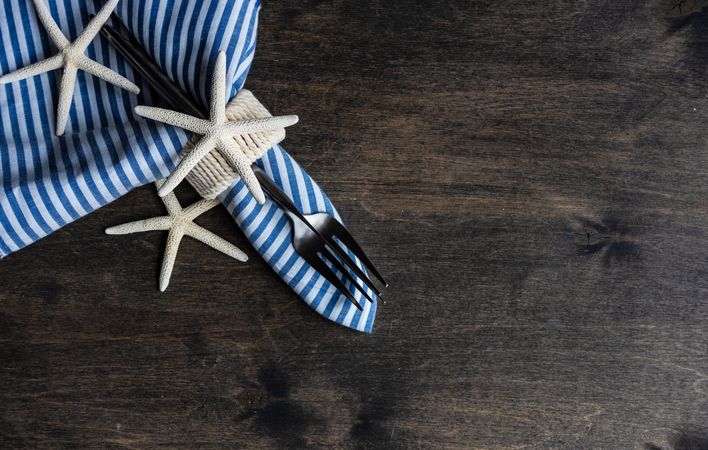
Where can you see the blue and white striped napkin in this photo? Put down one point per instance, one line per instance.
(49, 181)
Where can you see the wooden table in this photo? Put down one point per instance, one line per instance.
(531, 176)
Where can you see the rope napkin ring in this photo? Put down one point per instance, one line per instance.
(213, 174)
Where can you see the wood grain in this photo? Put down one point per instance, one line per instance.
(531, 176)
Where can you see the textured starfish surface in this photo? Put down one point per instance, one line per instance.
(217, 132)
(71, 57)
(179, 222)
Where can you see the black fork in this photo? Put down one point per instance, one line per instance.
(311, 245)
(319, 238)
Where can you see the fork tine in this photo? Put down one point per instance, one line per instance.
(343, 235)
(338, 265)
(330, 276)
(349, 262)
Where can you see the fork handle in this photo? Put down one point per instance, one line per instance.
(279, 197)
(148, 69)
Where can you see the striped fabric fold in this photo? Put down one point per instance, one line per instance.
(47, 181)
(269, 231)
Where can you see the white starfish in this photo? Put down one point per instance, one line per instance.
(71, 57)
(179, 222)
(217, 132)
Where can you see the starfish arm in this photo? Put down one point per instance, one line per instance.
(242, 164)
(204, 146)
(45, 65)
(140, 226)
(170, 200)
(197, 209)
(215, 242)
(217, 112)
(106, 74)
(94, 26)
(50, 25)
(168, 260)
(193, 124)
(66, 92)
(262, 124)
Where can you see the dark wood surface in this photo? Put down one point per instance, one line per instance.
(531, 176)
